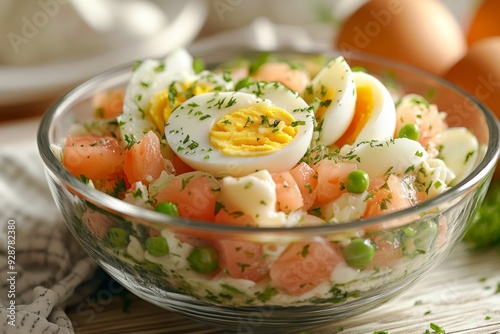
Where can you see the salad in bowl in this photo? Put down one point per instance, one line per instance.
(309, 183)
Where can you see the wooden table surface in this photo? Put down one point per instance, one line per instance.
(462, 295)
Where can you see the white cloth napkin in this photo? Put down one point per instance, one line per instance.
(48, 265)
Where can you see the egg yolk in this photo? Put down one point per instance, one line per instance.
(362, 113)
(163, 102)
(254, 131)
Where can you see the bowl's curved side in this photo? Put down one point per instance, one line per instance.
(408, 244)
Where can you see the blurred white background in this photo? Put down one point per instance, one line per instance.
(50, 45)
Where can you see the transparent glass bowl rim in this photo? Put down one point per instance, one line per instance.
(112, 204)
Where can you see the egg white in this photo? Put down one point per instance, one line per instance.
(459, 150)
(381, 157)
(150, 77)
(153, 76)
(192, 121)
(255, 195)
(336, 76)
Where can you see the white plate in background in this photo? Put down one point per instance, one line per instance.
(22, 84)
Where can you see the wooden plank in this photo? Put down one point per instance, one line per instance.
(460, 296)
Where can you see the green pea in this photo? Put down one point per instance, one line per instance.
(203, 260)
(359, 253)
(168, 208)
(357, 181)
(425, 236)
(410, 131)
(118, 237)
(244, 83)
(157, 246)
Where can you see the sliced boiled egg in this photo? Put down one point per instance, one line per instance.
(374, 115)
(148, 78)
(384, 157)
(254, 195)
(157, 87)
(334, 87)
(459, 149)
(237, 133)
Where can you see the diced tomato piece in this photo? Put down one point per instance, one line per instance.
(303, 266)
(332, 177)
(288, 195)
(108, 104)
(389, 196)
(93, 157)
(387, 254)
(307, 181)
(193, 196)
(143, 161)
(97, 223)
(242, 259)
(225, 216)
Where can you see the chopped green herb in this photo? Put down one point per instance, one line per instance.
(437, 328)
(198, 65)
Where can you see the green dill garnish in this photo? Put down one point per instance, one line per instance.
(249, 121)
(316, 212)
(265, 120)
(468, 156)
(437, 328)
(84, 179)
(193, 145)
(205, 117)
(120, 187)
(267, 294)
(160, 68)
(137, 193)
(305, 250)
(419, 154)
(258, 62)
(242, 266)
(185, 181)
(410, 169)
(227, 76)
(145, 84)
(136, 65)
(231, 102)
(172, 94)
(130, 141)
(297, 123)
(218, 206)
(326, 103)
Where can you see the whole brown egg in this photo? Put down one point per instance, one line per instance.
(485, 22)
(478, 72)
(422, 33)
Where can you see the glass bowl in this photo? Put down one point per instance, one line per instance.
(409, 243)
